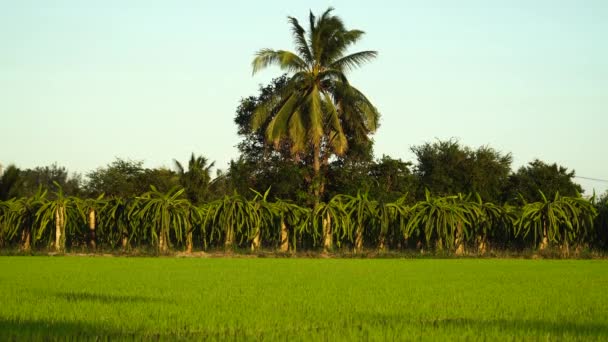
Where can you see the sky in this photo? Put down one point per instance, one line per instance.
(85, 82)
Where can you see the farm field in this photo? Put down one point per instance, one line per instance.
(99, 298)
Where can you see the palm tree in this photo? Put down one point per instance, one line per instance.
(493, 219)
(292, 219)
(90, 207)
(393, 218)
(472, 213)
(363, 213)
(5, 227)
(560, 220)
(443, 219)
(163, 213)
(318, 108)
(232, 217)
(64, 213)
(196, 179)
(600, 238)
(266, 213)
(20, 217)
(114, 225)
(333, 221)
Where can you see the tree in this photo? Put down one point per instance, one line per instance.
(560, 220)
(317, 108)
(447, 168)
(332, 220)
(601, 221)
(20, 218)
(253, 148)
(163, 214)
(442, 219)
(232, 217)
(5, 209)
(115, 225)
(62, 212)
(90, 208)
(285, 179)
(392, 179)
(9, 179)
(493, 220)
(127, 178)
(196, 179)
(266, 213)
(363, 213)
(121, 178)
(550, 179)
(17, 183)
(260, 165)
(293, 220)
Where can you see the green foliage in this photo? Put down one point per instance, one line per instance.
(127, 178)
(231, 218)
(162, 215)
(445, 168)
(115, 226)
(392, 179)
(59, 218)
(560, 220)
(332, 215)
(317, 110)
(196, 179)
(16, 183)
(600, 238)
(285, 178)
(362, 213)
(9, 179)
(163, 219)
(18, 217)
(297, 219)
(548, 178)
(493, 222)
(439, 218)
(118, 179)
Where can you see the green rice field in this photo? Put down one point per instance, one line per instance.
(118, 298)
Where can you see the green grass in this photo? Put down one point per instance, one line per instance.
(101, 298)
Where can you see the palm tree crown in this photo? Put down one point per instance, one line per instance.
(196, 179)
(317, 107)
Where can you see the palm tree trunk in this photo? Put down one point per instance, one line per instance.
(382, 242)
(545, 241)
(284, 247)
(57, 229)
(482, 245)
(459, 239)
(327, 238)
(161, 241)
(316, 167)
(27, 239)
(439, 244)
(125, 242)
(255, 244)
(60, 229)
(92, 242)
(359, 239)
(189, 242)
(566, 249)
(229, 242)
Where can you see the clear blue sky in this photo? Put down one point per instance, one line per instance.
(83, 82)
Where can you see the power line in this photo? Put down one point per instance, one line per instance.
(593, 179)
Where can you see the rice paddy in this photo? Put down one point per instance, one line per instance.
(102, 298)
